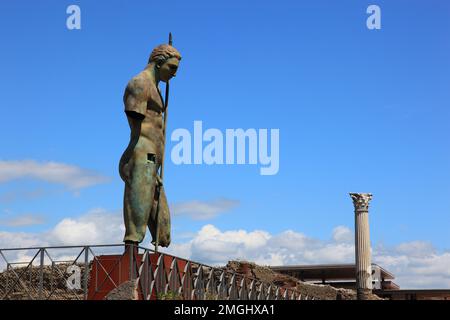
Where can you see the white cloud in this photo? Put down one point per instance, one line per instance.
(23, 220)
(95, 227)
(203, 210)
(343, 234)
(20, 240)
(21, 195)
(415, 264)
(70, 176)
(212, 246)
(415, 248)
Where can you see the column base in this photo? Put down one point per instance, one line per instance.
(363, 294)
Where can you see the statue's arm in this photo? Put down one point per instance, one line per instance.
(135, 99)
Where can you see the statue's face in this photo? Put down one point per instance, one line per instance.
(168, 69)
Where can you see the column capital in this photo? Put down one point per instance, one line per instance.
(361, 200)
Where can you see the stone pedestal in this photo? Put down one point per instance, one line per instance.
(362, 245)
(108, 272)
(116, 277)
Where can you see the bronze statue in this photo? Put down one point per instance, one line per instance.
(145, 202)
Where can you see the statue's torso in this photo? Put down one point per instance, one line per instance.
(151, 135)
(151, 138)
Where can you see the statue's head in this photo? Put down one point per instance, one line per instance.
(166, 59)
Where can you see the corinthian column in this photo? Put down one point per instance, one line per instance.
(362, 244)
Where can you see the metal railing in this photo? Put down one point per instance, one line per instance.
(46, 273)
(174, 278)
(64, 273)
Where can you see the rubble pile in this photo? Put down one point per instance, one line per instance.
(22, 283)
(265, 274)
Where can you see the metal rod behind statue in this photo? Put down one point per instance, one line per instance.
(161, 173)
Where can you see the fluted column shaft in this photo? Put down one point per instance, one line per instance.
(362, 244)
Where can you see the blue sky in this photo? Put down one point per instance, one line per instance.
(358, 110)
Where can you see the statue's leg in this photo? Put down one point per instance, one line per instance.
(160, 208)
(138, 197)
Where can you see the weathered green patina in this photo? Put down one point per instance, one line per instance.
(145, 201)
